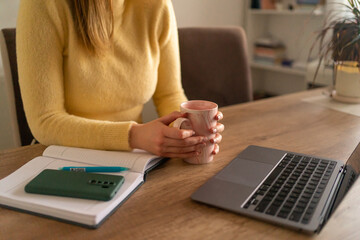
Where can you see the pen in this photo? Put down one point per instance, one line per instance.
(95, 169)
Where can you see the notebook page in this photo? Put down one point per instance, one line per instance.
(79, 210)
(136, 160)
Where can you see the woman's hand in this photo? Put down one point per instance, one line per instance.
(160, 139)
(218, 129)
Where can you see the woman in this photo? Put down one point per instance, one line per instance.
(86, 68)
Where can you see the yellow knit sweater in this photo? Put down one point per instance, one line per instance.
(77, 99)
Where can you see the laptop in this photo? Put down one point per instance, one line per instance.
(290, 189)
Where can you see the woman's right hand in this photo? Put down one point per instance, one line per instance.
(160, 139)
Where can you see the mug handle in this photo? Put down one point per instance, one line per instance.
(182, 123)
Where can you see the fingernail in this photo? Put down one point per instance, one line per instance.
(213, 140)
(187, 133)
(218, 117)
(192, 133)
(213, 130)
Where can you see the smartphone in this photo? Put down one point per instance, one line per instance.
(75, 184)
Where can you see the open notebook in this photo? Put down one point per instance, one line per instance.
(88, 213)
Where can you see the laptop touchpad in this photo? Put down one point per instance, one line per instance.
(245, 172)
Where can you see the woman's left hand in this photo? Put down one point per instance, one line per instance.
(219, 128)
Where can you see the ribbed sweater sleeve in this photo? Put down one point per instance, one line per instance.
(169, 93)
(41, 33)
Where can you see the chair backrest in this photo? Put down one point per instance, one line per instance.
(19, 126)
(215, 65)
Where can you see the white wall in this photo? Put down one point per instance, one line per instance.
(8, 15)
(209, 12)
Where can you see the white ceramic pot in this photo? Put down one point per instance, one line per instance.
(347, 79)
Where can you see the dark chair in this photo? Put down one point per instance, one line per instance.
(19, 127)
(215, 65)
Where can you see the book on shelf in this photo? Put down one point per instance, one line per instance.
(263, 4)
(315, 6)
(267, 60)
(268, 42)
(83, 212)
(308, 2)
(269, 51)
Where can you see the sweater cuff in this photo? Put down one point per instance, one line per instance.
(116, 136)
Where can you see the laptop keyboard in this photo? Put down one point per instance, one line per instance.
(293, 189)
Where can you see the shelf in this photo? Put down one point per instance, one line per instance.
(285, 12)
(280, 69)
(295, 29)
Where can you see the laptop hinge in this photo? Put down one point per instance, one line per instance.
(327, 210)
(348, 181)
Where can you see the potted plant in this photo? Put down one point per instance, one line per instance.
(339, 41)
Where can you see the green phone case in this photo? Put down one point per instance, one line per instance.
(75, 184)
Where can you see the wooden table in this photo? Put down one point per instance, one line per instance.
(162, 208)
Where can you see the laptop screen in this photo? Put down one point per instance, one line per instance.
(354, 159)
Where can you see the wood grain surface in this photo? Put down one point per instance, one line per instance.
(162, 208)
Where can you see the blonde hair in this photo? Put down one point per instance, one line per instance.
(95, 23)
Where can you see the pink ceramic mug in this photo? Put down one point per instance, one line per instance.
(200, 118)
